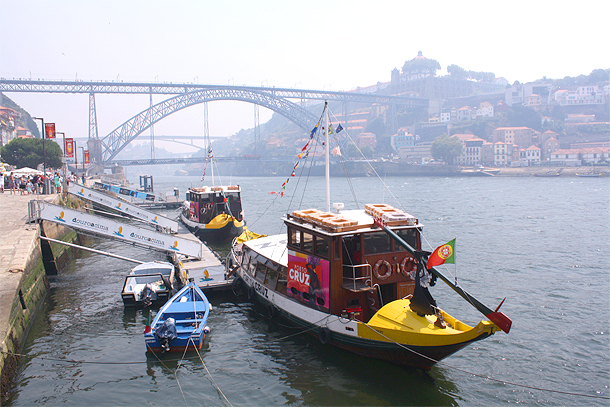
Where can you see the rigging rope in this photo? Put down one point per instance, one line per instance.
(601, 397)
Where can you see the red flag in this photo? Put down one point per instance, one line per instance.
(443, 254)
(86, 152)
(148, 328)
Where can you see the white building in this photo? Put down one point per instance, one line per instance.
(583, 95)
(485, 109)
(530, 155)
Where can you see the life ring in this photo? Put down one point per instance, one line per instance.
(388, 272)
(324, 335)
(408, 267)
(250, 292)
(205, 208)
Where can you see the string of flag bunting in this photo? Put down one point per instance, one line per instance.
(208, 159)
(305, 153)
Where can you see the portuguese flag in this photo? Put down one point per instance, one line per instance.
(147, 329)
(443, 254)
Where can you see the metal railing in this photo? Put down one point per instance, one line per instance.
(357, 277)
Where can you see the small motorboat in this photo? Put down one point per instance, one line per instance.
(180, 324)
(148, 283)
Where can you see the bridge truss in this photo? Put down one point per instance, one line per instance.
(276, 99)
(114, 142)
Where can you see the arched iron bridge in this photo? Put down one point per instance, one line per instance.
(276, 99)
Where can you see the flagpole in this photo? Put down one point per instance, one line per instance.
(498, 318)
(327, 173)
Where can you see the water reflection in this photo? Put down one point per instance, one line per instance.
(509, 247)
(325, 373)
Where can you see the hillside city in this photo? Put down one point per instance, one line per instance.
(555, 123)
(546, 122)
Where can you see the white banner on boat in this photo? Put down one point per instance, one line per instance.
(122, 206)
(119, 230)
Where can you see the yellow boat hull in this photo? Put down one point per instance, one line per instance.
(400, 336)
(221, 228)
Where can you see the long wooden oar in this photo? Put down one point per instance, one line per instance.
(499, 318)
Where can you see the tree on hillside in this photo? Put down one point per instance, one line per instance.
(27, 152)
(376, 126)
(520, 115)
(596, 77)
(460, 73)
(457, 71)
(599, 76)
(446, 149)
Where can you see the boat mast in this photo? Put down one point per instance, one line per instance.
(206, 137)
(327, 173)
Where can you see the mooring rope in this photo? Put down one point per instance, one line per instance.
(210, 375)
(313, 327)
(485, 376)
(173, 371)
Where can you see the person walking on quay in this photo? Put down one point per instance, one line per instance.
(29, 186)
(22, 182)
(41, 184)
(11, 183)
(57, 181)
(2, 182)
(35, 184)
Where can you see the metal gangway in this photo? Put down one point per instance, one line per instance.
(195, 260)
(102, 198)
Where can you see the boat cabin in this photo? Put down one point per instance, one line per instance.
(339, 263)
(205, 203)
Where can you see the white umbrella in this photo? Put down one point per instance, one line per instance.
(26, 171)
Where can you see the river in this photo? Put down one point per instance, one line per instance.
(542, 243)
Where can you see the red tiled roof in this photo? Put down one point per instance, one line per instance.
(513, 128)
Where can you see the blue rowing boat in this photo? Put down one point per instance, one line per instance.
(181, 323)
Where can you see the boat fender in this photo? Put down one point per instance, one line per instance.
(388, 271)
(250, 292)
(210, 307)
(324, 335)
(206, 330)
(408, 267)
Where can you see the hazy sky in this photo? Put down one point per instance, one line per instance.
(330, 45)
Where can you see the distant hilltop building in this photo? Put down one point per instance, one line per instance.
(418, 68)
